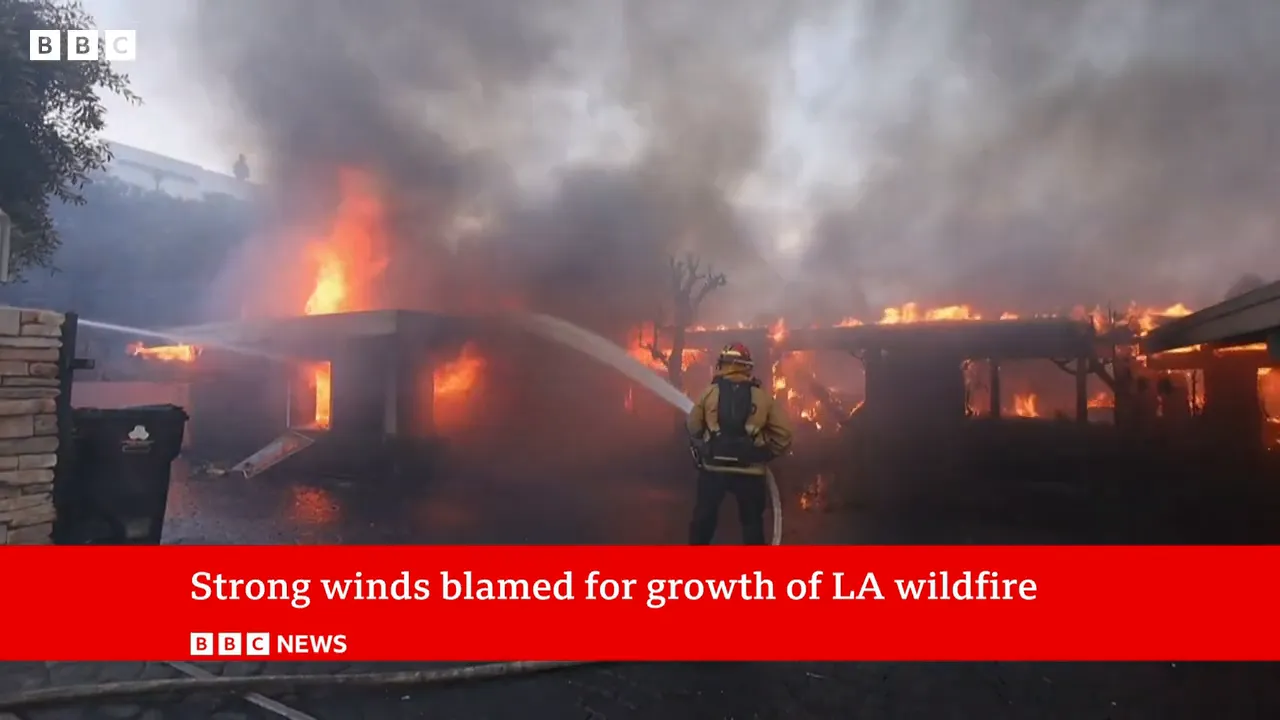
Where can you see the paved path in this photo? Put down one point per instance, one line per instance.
(671, 691)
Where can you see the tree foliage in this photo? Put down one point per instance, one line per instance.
(135, 256)
(51, 114)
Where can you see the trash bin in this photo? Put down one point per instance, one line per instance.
(118, 481)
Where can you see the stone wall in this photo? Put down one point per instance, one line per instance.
(29, 386)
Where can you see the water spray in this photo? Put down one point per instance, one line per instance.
(181, 336)
(603, 350)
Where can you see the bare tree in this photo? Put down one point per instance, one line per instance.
(690, 285)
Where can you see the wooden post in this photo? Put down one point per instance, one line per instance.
(1082, 390)
(995, 388)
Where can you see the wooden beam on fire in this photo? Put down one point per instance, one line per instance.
(1253, 317)
(1200, 357)
(318, 336)
(997, 339)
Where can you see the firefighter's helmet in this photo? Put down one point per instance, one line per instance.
(736, 353)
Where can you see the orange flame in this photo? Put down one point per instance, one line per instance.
(1102, 400)
(1024, 405)
(166, 353)
(453, 387)
(460, 375)
(319, 377)
(347, 261)
(353, 256)
(637, 347)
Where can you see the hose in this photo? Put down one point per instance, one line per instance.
(103, 692)
(775, 500)
(605, 351)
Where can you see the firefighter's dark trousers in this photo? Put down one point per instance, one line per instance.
(750, 493)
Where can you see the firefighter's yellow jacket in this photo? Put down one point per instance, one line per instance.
(768, 423)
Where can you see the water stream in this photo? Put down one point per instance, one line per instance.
(202, 340)
(601, 349)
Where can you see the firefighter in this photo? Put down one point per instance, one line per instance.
(735, 428)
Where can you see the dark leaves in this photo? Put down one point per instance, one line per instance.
(50, 117)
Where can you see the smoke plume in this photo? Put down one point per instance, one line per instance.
(1074, 152)
(592, 138)
(1019, 155)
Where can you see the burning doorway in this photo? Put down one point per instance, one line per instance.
(368, 387)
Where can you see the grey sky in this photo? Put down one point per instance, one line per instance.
(177, 118)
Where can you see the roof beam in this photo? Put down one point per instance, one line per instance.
(1249, 318)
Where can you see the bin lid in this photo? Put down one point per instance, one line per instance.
(126, 412)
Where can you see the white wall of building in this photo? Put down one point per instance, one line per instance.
(152, 171)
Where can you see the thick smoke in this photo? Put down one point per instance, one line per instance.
(1048, 154)
(1019, 155)
(594, 137)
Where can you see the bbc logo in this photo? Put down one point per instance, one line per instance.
(117, 45)
(230, 644)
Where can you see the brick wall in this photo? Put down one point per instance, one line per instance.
(29, 344)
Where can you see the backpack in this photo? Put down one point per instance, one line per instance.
(733, 445)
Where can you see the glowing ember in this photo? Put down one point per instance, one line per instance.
(1102, 400)
(814, 496)
(166, 353)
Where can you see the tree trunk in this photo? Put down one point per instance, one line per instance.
(675, 361)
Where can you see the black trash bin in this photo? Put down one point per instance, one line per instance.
(118, 484)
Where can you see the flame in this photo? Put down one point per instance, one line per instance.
(347, 261)
(911, 313)
(454, 385)
(637, 347)
(167, 353)
(353, 256)
(1269, 391)
(814, 496)
(319, 376)
(1148, 319)
(1102, 400)
(459, 376)
(778, 331)
(1252, 347)
(1024, 405)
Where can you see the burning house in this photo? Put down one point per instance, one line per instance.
(915, 368)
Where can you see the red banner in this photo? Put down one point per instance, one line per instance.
(640, 603)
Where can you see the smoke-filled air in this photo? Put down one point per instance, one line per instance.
(828, 155)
